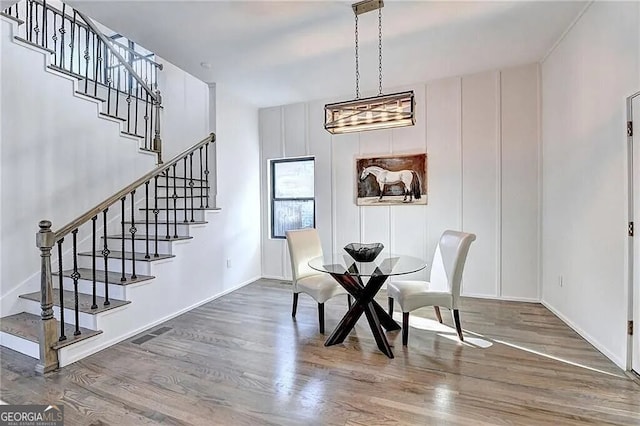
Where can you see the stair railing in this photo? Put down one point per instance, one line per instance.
(124, 80)
(184, 180)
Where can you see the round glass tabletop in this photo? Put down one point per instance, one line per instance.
(385, 264)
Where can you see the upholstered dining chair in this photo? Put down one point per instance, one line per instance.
(443, 287)
(304, 245)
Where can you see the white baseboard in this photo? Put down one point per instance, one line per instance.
(505, 298)
(273, 277)
(600, 347)
(73, 356)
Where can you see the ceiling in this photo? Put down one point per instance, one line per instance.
(279, 52)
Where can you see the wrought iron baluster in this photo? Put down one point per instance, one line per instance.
(61, 290)
(118, 95)
(185, 191)
(146, 121)
(54, 37)
(146, 217)
(86, 61)
(122, 201)
(206, 171)
(201, 181)
(128, 99)
(105, 253)
(191, 185)
(175, 204)
(75, 275)
(30, 13)
(133, 231)
(135, 122)
(96, 68)
(94, 305)
(62, 32)
(151, 125)
(166, 204)
(45, 41)
(72, 43)
(155, 215)
(109, 81)
(80, 50)
(36, 29)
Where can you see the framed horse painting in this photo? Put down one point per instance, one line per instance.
(389, 180)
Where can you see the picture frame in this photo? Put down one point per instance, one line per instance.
(398, 179)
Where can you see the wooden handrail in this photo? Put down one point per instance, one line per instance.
(75, 224)
(155, 95)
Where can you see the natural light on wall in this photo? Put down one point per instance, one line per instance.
(377, 112)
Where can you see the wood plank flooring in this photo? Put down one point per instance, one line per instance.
(242, 360)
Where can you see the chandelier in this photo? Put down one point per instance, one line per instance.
(376, 112)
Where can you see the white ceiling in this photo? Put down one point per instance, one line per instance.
(279, 52)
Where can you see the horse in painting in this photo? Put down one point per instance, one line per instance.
(409, 178)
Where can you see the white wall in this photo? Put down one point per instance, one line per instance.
(481, 136)
(238, 156)
(585, 82)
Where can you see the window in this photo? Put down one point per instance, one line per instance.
(292, 195)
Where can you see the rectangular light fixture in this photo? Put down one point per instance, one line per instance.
(377, 112)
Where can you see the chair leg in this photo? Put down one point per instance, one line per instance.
(349, 300)
(405, 328)
(437, 309)
(321, 317)
(456, 319)
(390, 299)
(295, 305)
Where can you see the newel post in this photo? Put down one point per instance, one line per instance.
(157, 141)
(45, 240)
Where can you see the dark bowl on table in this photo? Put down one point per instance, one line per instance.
(364, 252)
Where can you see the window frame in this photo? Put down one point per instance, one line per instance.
(274, 199)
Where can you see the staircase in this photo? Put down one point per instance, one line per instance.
(101, 274)
(106, 264)
(122, 80)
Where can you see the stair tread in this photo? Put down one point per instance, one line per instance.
(36, 45)
(163, 197)
(63, 71)
(135, 135)
(180, 208)
(26, 326)
(97, 98)
(179, 187)
(115, 117)
(114, 277)
(84, 301)
(128, 255)
(151, 237)
(13, 18)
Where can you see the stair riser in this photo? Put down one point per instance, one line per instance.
(180, 191)
(115, 265)
(18, 344)
(86, 286)
(179, 216)
(141, 245)
(86, 320)
(180, 203)
(183, 230)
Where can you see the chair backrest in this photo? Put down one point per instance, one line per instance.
(304, 245)
(448, 262)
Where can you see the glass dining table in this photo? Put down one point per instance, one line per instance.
(350, 273)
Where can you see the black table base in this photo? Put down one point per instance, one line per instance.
(377, 317)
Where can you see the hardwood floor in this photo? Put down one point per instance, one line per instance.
(242, 360)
